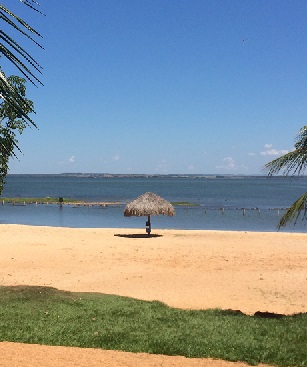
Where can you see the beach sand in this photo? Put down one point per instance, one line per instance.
(246, 271)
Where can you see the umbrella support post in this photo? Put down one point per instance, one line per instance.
(148, 226)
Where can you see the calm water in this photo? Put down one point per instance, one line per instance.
(270, 195)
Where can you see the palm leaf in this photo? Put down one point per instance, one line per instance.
(19, 20)
(19, 64)
(8, 40)
(295, 161)
(301, 138)
(294, 211)
(13, 98)
(30, 3)
(13, 54)
(19, 57)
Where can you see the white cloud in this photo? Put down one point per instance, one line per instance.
(116, 157)
(228, 163)
(269, 150)
(251, 154)
(190, 167)
(71, 159)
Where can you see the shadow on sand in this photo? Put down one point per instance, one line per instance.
(138, 235)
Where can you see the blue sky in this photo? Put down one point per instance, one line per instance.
(165, 86)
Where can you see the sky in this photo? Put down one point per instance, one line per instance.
(164, 86)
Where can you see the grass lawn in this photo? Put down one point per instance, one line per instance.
(48, 316)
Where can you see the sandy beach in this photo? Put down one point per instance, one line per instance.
(244, 271)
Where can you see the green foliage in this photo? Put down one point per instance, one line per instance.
(11, 123)
(293, 162)
(294, 211)
(15, 108)
(18, 56)
(47, 316)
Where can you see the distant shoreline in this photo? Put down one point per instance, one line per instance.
(48, 200)
(155, 175)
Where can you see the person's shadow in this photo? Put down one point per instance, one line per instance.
(138, 235)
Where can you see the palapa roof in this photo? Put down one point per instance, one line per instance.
(149, 204)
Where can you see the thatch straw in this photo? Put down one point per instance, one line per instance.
(149, 204)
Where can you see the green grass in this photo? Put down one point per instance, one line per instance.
(47, 316)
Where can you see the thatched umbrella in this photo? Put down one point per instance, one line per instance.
(149, 204)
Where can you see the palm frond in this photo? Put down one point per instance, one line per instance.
(11, 50)
(19, 64)
(295, 161)
(294, 211)
(30, 3)
(301, 139)
(15, 107)
(20, 21)
(19, 57)
(7, 39)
